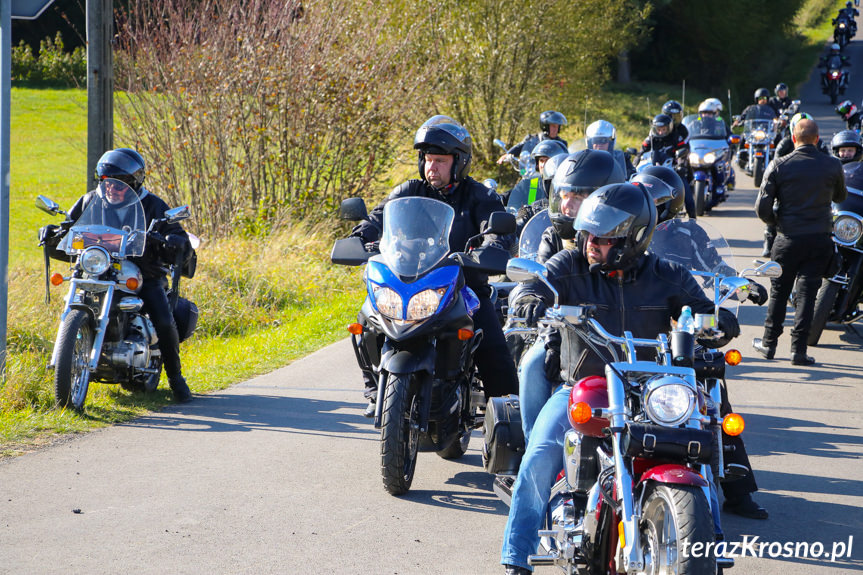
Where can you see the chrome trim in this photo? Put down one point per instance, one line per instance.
(840, 214)
(130, 304)
(101, 328)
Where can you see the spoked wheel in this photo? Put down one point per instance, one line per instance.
(675, 515)
(824, 302)
(399, 434)
(71, 375)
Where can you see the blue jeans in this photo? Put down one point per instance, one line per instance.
(534, 388)
(541, 464)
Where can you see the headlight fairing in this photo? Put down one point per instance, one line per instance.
(668, 400)
(388, 302)
(847, 229)
(94, 261)
(424, 304)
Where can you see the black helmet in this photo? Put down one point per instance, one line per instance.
(844, 139)
(551, 117)
(625, 211)
(781, 86)
(124, 164)
(580, 173)
(443, 135)
(761, 93)
(673, 109)
(547, 148)
(667, 194)
(659, 121)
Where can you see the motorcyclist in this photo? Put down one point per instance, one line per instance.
(780, 101)
(529, 190)
(851, 114)
(666, 144)
(602, 135)
(834, 60)
(550, 124)
(760, 110)
(128, 166)
(444, 158)
(575, 179)
(675, 109)
(847, 146)
(632, 291)
(850, 13)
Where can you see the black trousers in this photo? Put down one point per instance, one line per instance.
(159, 311)
(493, 358)
(804, 260)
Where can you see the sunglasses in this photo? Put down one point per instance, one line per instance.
(602, 241)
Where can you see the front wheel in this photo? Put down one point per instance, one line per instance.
(399, 434)
(71, 373)
(758, 171)
(824, 302)
(834, 92)
(673, 519)
(700, 193)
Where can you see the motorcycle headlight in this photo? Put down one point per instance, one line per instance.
(759, 135)
(388, 302)
(95, 261)
(424, 304)
(710, 157)
(694, 159)
(668, 401)
(847, 229)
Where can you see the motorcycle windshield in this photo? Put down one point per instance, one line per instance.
(416, 234)
(699, 248)
(113, 219)
(703, 128)
(531, 235)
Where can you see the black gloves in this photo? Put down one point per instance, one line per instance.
(372, 247)
(50, 234)
(531, 309)
(551, 364)
(174, 247)
(757, 293)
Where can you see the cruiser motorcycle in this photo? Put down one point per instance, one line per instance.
(103, 334)
(841, 294)
(645, 452)
(758, 142)
(418, 338)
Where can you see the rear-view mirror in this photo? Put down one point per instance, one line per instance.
(353, 209)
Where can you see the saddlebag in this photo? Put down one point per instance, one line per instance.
(186, 318)
(673, 443)
(503, 435)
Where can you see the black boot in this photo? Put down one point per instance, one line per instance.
(766, 351)
(745, 506)
(516, 570)
(180, 389)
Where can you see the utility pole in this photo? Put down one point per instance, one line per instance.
(100, 83)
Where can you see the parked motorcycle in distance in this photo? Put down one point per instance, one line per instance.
(709, 161)
(840, 297)
(104, 334)
(420, 310)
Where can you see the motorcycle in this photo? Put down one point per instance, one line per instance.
(759, 136)
(103, 334)
(523, 164)
(419, 309)
(646, 447)
(709, 161)
(841, 31)
(841, 294)
(834, 80)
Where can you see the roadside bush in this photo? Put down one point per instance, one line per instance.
(53, 65)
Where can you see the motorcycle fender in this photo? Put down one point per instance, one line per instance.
(700, 176)
(674, 474)
(397, 361)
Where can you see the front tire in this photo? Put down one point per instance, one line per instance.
(399, 434)
(700, 193)
(673, 519)
(71, 373)
(824, 302)
(758, 172)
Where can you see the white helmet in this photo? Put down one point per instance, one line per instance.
(710, 105)
(600, 132)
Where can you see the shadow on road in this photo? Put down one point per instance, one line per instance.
(772, 435)
(231, 413)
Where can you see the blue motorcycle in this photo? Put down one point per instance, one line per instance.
(416, 331)
(709, 161)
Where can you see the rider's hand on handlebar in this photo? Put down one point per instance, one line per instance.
(757, 293)
(504, 159)
(372, 247)
(530, 309)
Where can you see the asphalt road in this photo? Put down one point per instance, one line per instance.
(280, 474)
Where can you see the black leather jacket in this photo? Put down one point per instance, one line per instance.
(803, 184)
(155, 257)
(642, 300)
(786, 146)
(550, 244)
(779, 104)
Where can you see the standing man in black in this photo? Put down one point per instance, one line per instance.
(802, 184)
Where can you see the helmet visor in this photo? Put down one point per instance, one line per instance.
(567, 200)
(602, 220)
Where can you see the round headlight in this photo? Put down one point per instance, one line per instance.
(758, 135)
(669, 401)
(94, 261)
(694, 159)
(847, 229)
(388, 302)
(424, 304)
(709, 157)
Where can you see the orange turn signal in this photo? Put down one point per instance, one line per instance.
(733, 424)
(746, 145)
(132, 283)
(355, 328)
(621, 534)
(465, 334)
(56, 279)
(733, 357)
(580, 412)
